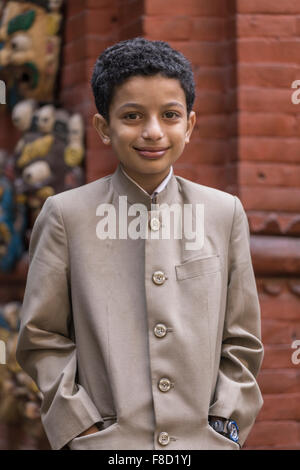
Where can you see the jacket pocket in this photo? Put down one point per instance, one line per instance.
(107, 422)
(217, 441)
(93, 441)
(197, 267)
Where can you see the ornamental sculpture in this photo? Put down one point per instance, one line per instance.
(30, 45)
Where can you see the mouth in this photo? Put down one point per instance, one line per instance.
(151, 152)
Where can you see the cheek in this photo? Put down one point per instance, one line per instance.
(123, 135)
(177, 134)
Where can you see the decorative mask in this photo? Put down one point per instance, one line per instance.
(29, 48)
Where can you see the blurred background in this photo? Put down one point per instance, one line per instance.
(245, 56)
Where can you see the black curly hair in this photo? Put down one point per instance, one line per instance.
(139, 56)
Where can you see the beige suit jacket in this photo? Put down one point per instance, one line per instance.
(99, 331)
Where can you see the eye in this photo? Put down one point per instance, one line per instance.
(21, 42)
(131, 116)
(171, 115)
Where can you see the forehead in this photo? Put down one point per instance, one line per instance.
(148, 91)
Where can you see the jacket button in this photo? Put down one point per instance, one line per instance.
(154, 224)
(158, 277)
(164, 384)
(164, 438)
(160, 330)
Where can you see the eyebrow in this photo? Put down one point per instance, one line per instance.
(136, 105)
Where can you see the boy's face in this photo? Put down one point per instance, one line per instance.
(148, 127)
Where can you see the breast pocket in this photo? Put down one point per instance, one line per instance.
(198, 267)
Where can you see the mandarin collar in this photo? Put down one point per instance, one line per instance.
(125, 187)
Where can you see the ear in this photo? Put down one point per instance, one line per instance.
(190, 126)
(102, 127)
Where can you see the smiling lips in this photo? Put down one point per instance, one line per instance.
(151, 152)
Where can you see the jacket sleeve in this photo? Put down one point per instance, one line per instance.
(237, 395)
(45, 349)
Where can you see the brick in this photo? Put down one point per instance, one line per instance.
(268, 50)
(73, 74)
(273, 433)
(79, 98)
(128, 12)
(89, 47)
(134, 29)
(297, 26)
(77, 73)
(211, 127)
(74, 7)
(278, 357)
(99, 22)
(96, 45)
(269, 149)
(279, 332)
(74, 27)
(267, 124)
(279, 381)
(100, 162)
(279, 447)
(189, 7)
(269, 174)
(276, 255)
(254, 99)
(208, 29)
(280, 407)
(285, 305)
(268, 6)
(208, 175)
(74, 51)
(297, 122)
(209, 103)
(204, 53)
(277, 26)
(282, 223)
(271, 199)
(165, 29)
(89, 21)
(97, 4)
(231, 101)
(268, 75)
(211, 78)
(206, 150)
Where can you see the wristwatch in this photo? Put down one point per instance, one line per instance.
(226, 427)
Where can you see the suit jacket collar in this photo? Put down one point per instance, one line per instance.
(125, 187)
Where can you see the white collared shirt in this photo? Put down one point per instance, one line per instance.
(159, 188)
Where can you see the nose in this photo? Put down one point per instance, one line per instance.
(152, 129)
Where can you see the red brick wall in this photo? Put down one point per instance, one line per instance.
(268, 52)
(204, 32)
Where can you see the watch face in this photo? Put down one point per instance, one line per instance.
(233, 430)
(218, 425)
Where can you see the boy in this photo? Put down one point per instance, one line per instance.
(138, 340)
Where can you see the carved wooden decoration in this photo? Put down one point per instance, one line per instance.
(30, 48)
